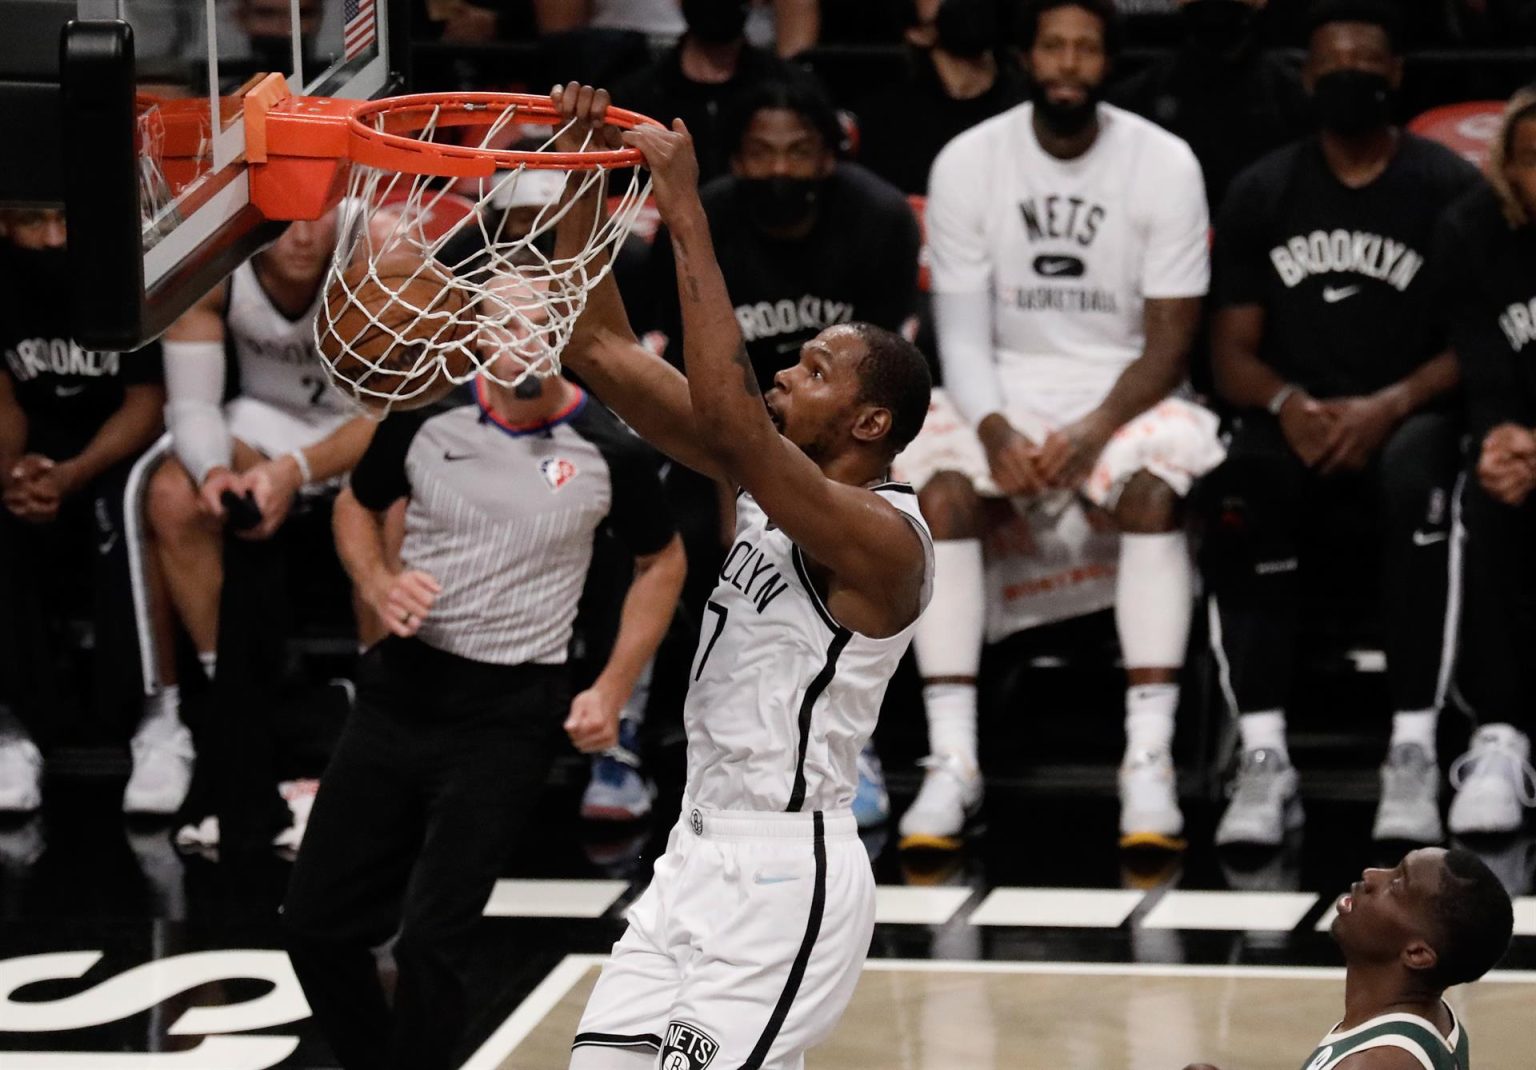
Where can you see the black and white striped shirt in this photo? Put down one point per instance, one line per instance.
(504, 516)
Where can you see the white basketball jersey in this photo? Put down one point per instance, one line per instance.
(781, 697)
(1068, 249)
(276, 355)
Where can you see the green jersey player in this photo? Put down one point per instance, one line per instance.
(1439, 918)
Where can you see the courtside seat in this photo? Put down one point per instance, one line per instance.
(1468, 128)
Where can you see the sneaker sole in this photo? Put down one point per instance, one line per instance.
(1156, 840)
(612, 813)
(924, 841)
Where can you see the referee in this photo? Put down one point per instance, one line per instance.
(459, 711)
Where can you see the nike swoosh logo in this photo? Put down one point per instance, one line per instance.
(1333, 296)
(1054, 267)
(1422, 539)
(105, 547)
(449, 455)
(68, 391)
(760, 879)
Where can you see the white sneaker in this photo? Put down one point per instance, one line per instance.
(21, 775)
(949, 798)
(1149, 802)
(162, 773)
(1265, 801)
(300, 797)
(204, 833)
(1409, 810)
(1495, 782)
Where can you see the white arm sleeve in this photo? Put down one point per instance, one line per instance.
(960, 261)
(963, 326)
(194, 387)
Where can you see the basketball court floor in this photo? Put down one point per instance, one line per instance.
(1040, 947)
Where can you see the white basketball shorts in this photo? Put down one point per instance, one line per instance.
(745, 949)
(1175, 440)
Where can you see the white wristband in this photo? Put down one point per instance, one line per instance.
(1282, 395)
(303, 462)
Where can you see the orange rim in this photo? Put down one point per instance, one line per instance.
(403, 116)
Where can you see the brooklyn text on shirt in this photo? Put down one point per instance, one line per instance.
(32, 357)
(1358, 252)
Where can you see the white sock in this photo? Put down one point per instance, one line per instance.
(1149, 710)
(210, 661)
(1263, 729)
(161, 714)
(1415, 726)
(1154, 599)
(948, 644)
(952, 720)
(948, 638)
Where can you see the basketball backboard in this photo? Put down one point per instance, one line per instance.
(150, 137)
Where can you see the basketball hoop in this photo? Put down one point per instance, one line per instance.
(444, 268)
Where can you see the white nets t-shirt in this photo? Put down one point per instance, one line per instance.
(1068, 249)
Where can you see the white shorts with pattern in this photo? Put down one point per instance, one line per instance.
(1175, 440)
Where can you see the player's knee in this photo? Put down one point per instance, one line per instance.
(1418, 469)
(1250, 533)
(1148, 506)
(171, 501)
(951, 506)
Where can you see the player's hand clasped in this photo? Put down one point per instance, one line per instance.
(403, 600)
(1507, 466)
(36, 486)
(1063, 462)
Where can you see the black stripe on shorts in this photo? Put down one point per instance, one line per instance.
(617, 1040)
(802, 958)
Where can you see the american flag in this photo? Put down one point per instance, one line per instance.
(361, 28)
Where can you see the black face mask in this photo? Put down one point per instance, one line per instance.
(780, 202)
(966, 28)
(1217, 29)
(715, 22)
(40, 271)
(1352, 102)
(1064, 120)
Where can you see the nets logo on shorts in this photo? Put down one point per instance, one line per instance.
(687, 1048)
(557, 472)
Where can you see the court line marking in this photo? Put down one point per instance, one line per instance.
(897, 904)
(553, 898)
(1230, 911)
(531, 1011)
(1223, 910)
(558, 983)
(1078, 908)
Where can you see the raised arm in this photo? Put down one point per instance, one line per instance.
(649, 394)
(865, 542)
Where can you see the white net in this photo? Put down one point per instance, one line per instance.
(434, 282)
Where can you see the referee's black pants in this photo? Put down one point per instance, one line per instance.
(1496, 671)
(435, 771)
(1274, 518)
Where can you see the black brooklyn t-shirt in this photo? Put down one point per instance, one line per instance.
(66, 392)
(1341, 273)
(1487, 299)
(859, 262)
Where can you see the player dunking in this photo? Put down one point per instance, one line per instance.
(745, 949)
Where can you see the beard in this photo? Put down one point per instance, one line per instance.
(1065, 120)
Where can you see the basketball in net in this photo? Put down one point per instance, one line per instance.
(436, 281)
